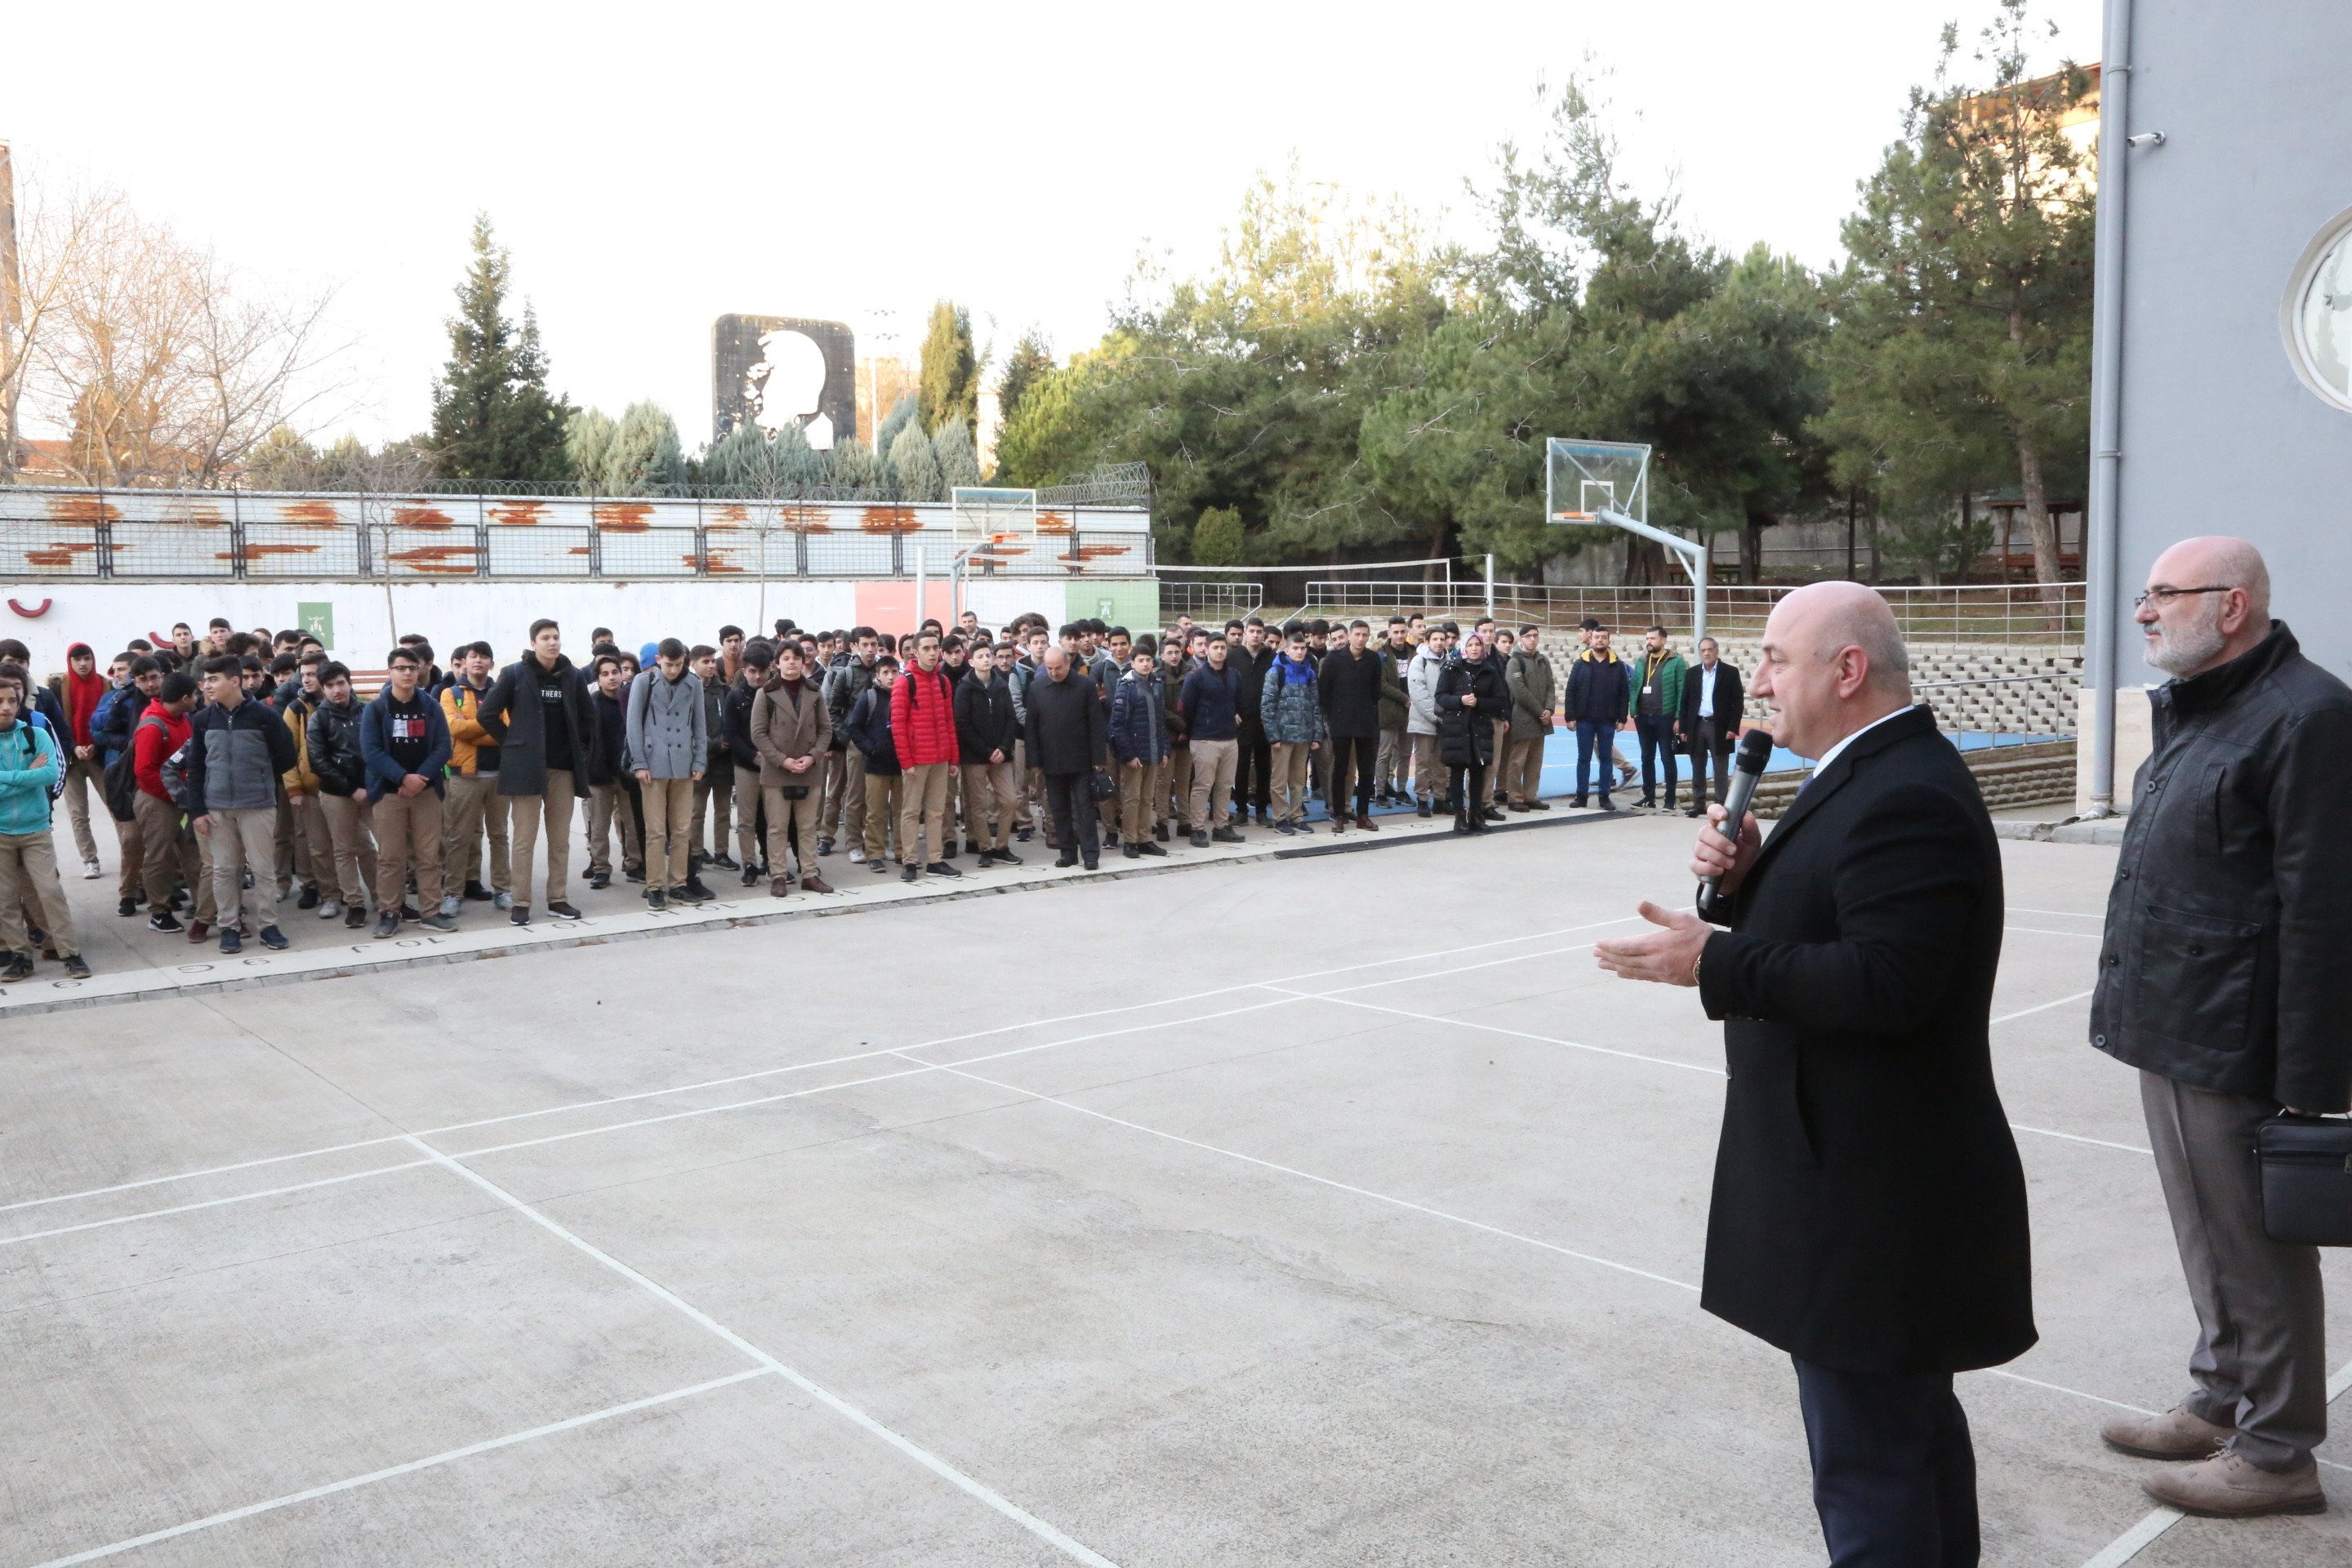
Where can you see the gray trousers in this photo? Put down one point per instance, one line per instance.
(2261, 1361)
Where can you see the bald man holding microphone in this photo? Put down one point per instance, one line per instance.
(1868, 1215)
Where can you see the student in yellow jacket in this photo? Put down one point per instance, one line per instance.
(475, 806)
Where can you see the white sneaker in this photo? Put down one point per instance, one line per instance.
(503, 901)
(89, 871)
(450, 904)
(329, 907)
(857, 857)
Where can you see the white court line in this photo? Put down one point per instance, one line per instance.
(212, 1203)
(825, 1396)
(411, 1468)
(2047, 930)
(1499, 1029)
(923, 1067)
(1328, 1182)
(2131, 1541)
(2038, 1007)
(796, 1067)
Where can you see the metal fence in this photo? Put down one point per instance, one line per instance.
(1993, 613)
(240, 535)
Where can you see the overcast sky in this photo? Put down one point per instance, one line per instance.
(652, 167)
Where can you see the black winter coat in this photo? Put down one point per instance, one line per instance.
(1252, 668)
(983, 718)
(334, 739)
(1352, 693)
(1597, 690)
(735, 723)
(1869, 1209)
(1465, 736)
(2228, 915)
(1066, 727)
(511, 711)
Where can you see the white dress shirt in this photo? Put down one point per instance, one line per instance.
(1831, 755)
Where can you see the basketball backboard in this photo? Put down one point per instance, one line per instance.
(982, 511)
(1584, 478)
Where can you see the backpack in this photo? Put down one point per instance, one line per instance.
(121, 785)
(175, 778)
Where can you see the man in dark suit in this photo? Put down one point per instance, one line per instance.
(1869, 1209)
(1708, 724)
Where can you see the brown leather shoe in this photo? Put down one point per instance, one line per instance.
(2175, 1435)
(779, 887)
(1368, 824)
(816, 885)
(2226, 1487)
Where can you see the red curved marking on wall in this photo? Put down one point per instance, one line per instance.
(31, 615)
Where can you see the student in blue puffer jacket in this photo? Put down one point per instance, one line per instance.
(1139, 749)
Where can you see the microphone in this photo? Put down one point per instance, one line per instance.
(1755, 752)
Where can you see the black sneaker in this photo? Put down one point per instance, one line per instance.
(1200, 841)
(562, 912)
(638, 875)
(126, 908)
(599, 880)
(409, 914)
(164, 921)
(879, 866)
(729, 862)
(477, 894)
(1286, 828)
(20, 967)
(656, 898)
(1228, 835)
(1421, 809)
(1007, 858)
(909, 871)
(694, 892)
(1131, 851)
(1608, 805)
(1021, 834)
(387, 926)
(230, 942)
(355, 916)
(1067, 859)
(519, 915)
(308, 900)
(438, 922)
(1149, 848)
(1092, 864)
(751, 875)
(942, 868)
(1159, 833)
(77, 968)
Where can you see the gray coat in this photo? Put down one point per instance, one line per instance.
(2227, 921)
(670, 732)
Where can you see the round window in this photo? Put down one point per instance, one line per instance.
(2317, 316)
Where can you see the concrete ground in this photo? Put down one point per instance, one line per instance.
(1332, 1210)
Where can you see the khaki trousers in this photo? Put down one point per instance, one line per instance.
(923, 810)
(747, 815)
(83, 774)
(350, 848)
(1290, 780)
(525, 816)
(408, 833)
(989, 803)
(1213, 782)
(1502, 755)
(292, 864)
(881, 809)
(1523, 769)
(668, 830)
(29, 874)
(318, 870)
(473, 808)
(1430, 776)
(1394, 761)
(830, 780)
(714, 799)
(858, 801)
(612, 812)
(131, 849)
(1174, 801)
(243, 840)
(793, 826)
(1140, 784)
(162, 853)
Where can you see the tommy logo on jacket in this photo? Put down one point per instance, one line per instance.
(408, 726)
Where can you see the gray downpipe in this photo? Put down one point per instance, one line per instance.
(2102, 568)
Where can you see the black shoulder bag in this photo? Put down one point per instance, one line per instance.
(2307, 1171)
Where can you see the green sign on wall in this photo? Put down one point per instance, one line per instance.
(318, 620)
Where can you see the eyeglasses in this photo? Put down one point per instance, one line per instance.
(2164, 596)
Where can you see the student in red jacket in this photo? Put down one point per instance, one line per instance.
(922, 725)
(163, 853)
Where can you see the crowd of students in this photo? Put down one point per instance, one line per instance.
(244, 771)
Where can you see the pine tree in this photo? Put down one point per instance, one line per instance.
(959, 464)
(902, 414)
(950, 373)
(493, 417)
(1032, 361)
(852, 465)
(1219, 539)
(587, 442)
(644, 457)
(916, 465)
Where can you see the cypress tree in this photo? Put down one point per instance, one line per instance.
(950, 374)
(493, 417)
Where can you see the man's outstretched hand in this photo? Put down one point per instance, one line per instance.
(1669, 955)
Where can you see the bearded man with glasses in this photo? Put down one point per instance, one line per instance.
(2227, 922)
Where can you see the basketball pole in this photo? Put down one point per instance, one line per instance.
(1692, 557)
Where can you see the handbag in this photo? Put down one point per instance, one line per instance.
(2306, 1176)
(1100, 787)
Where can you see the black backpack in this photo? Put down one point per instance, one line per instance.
(122, 777)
